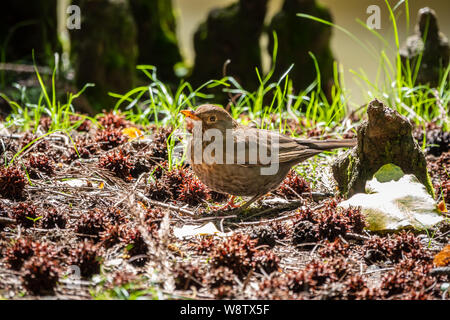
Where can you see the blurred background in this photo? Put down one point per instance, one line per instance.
(345, 14)
(192, 39)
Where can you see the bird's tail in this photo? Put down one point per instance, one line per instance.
(327, 144)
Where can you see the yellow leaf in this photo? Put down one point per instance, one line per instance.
(132, 133)
(442, 207)
(442, 259)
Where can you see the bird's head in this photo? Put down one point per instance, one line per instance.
(211, 117)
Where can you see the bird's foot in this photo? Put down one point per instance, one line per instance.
(229, 205)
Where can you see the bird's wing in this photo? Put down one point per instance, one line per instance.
(263, 147)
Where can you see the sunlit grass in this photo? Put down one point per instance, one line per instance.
(396, 81)
(269, 106)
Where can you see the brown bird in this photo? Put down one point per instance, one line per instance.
(242, 161)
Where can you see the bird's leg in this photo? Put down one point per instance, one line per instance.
(229, 204)
(249, 202)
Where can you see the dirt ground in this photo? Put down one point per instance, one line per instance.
(98, 222)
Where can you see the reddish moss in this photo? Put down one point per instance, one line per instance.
(40, 145)
(204, 245)
(122, 278)
(92, 223)
(117, 163)
(158, 147)
(188, 275)
(316, 274)
(53, 218)
(193, 191)
(40, 163)
(40, 275)
(240, 254)
(12, 183)
(87, 256)
(19, 252)
(109, 138)
(304, 231)
(112, 235)
(221, 280)
(264, 236)
(327, 223)
(393, 248)
(335, 248)
(84, 124)
(136, 247)
(26, 214)
(293, 186)
(112, 120)
(86, 148)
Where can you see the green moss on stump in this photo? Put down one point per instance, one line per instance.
(386, 137)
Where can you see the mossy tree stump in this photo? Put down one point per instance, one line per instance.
(386, 137)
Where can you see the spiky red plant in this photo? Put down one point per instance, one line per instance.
(221, 280)
(40, 275)
(88, 257)
(335, 248)
(41, 145)
(85, 148)
(85, 124)
(240, 254)
(112, 120)
(193, 191)
(393, 248)
(92, 223)
(26, 214)
(187, 275)
(316, 274)
(293, 186)
(12, 183)
(136, 247)
(112, 235)
(40, 163)
(18, 253)
(53, 218)
(117, 163)
(158, 147)
(328, 223)
(109, 138)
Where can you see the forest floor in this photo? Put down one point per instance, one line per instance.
(102, 222)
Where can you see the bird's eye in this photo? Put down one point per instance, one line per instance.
(212, 119)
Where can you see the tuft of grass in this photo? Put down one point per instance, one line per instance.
(396, 82)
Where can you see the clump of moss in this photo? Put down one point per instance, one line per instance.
(12, 183)
(328, 223)
(110, 138)
(53, 218)
(240, 254)
(293, 186)
(118, 163)
(40, 163)
(26, 214)
(88, 257)
(40, 275)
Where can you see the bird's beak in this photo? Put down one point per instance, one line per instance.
(190, 114)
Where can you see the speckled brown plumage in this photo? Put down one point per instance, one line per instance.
(242, 176)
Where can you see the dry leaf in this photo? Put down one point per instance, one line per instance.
(442, 259)
(442, 207)
(132, 133)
